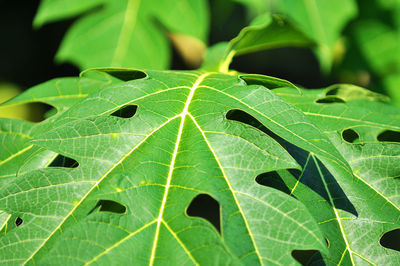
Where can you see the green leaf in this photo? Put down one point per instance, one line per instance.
(17, 151)
(380, 44)
(360, 113)
(353, 214)
(267, 81)
(392, 83)
(127, 33)
(348, 92)
(255, 7)
(389, 4)
(8, 91)
(4, 217)
(265, 32)
(17, 154)
(352, 226)
(321, 20)
(183, 140)
(53, 10)
(215, 56)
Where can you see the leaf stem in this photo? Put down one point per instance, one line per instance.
(224, 66)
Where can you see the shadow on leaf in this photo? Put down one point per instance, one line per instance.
(272, 179)
(312, 167)
(304, 257)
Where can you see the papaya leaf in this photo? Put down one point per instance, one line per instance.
(383, 59)
(16, 149)
(17, 153)
(353, 230)
(335, 111)
(144, 150)
(124, 33)
(322, 21)
(264, 32)
(255, 7)
(3, 220)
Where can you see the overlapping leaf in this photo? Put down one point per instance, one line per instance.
(353, 214)
(265, 32)
(321, 20)
(127, 33)
(346, 107)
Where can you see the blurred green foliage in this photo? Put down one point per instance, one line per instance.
(354, 41)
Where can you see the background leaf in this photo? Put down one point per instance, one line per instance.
(264, 32)
(321, 20)
(125, 33)
(380, 45)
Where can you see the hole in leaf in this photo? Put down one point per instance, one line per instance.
(18, 221)
(389, 136)
(126, 75)
(109, 206)
(272, 179)
(204, 206)
(391, 240)
(127, 111)
(62, 161)
(330, 99)
(303, 256)
(350, 135)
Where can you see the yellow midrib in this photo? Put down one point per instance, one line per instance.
(338, 218)
(16, 154)
(231, 189)
(183, 115)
